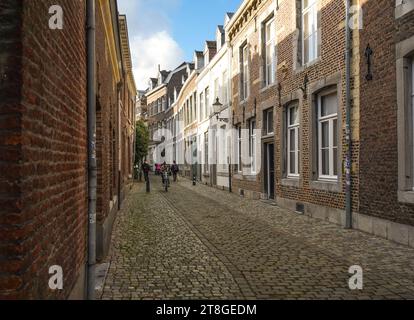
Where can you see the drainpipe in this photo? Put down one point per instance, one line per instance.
(348, 163)
(92, 167)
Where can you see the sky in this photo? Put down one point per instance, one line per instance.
(167, 32)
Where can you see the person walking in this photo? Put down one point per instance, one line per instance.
(175, 170)
(146, 169)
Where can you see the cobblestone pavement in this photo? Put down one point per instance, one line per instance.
(203, 243)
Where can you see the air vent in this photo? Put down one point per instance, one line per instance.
(300, 208)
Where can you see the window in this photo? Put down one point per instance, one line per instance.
(269, 54)
(216, 89)
(195, 106)
(268, 122)
(405, 120)
(292, 141)
(244, 72)
(412, 120)
(310, 30)
(239, 149)
(191, 110)
(252, 144)
(225, 89)
(206, 162)
(207, 102)
(202, 106)
(328, 136)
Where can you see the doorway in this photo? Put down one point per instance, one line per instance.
(269, 166)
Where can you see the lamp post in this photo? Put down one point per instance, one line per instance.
(217, 107)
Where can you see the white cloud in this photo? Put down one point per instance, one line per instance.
(150, 37)
(150, 51)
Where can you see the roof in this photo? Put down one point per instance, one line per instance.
(211, 44)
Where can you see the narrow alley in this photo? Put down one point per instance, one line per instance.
(203, 243)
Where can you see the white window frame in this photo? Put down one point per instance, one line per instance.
(225, 89)
(412, 119)
(216, 89)
(330, 120)
(244, 72)
(202, 106)
(266, 118)
(253, 145)
(295, 128)
(239, 149)
(206, 153)
(313, 48)
(270, 66)
(207, 102)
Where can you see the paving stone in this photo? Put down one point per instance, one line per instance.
(204, 243)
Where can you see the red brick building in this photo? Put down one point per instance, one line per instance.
(44, 142)
(299, 74)
(386, 126)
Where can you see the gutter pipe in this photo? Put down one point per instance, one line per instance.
(348, 162)
(92, 166)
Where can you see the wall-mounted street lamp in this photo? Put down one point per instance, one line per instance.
(368, 56)
(304, 88)
(217, 107)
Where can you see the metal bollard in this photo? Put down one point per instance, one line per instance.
(148, 185)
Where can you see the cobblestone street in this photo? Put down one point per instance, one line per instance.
(203, 243)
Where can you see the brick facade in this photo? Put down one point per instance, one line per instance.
(43, 148)
(43, 143)
(379, 121)
(161, 97)
(328, 70)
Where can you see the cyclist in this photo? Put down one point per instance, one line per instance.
(165, 171)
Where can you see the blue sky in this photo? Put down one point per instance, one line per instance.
(167, 32)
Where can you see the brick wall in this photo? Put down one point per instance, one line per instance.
(290, 78)
(379, 141)
(43, 148)
(107, 130)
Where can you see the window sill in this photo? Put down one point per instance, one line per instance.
(268, 136)
(403, 9)
(238, 176)
(406, 196)
(252, 177)
(325, 185)
(291, 182)
(268, 87)
(302, 67)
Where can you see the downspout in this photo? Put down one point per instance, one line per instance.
(92, 167)
(348, 162)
